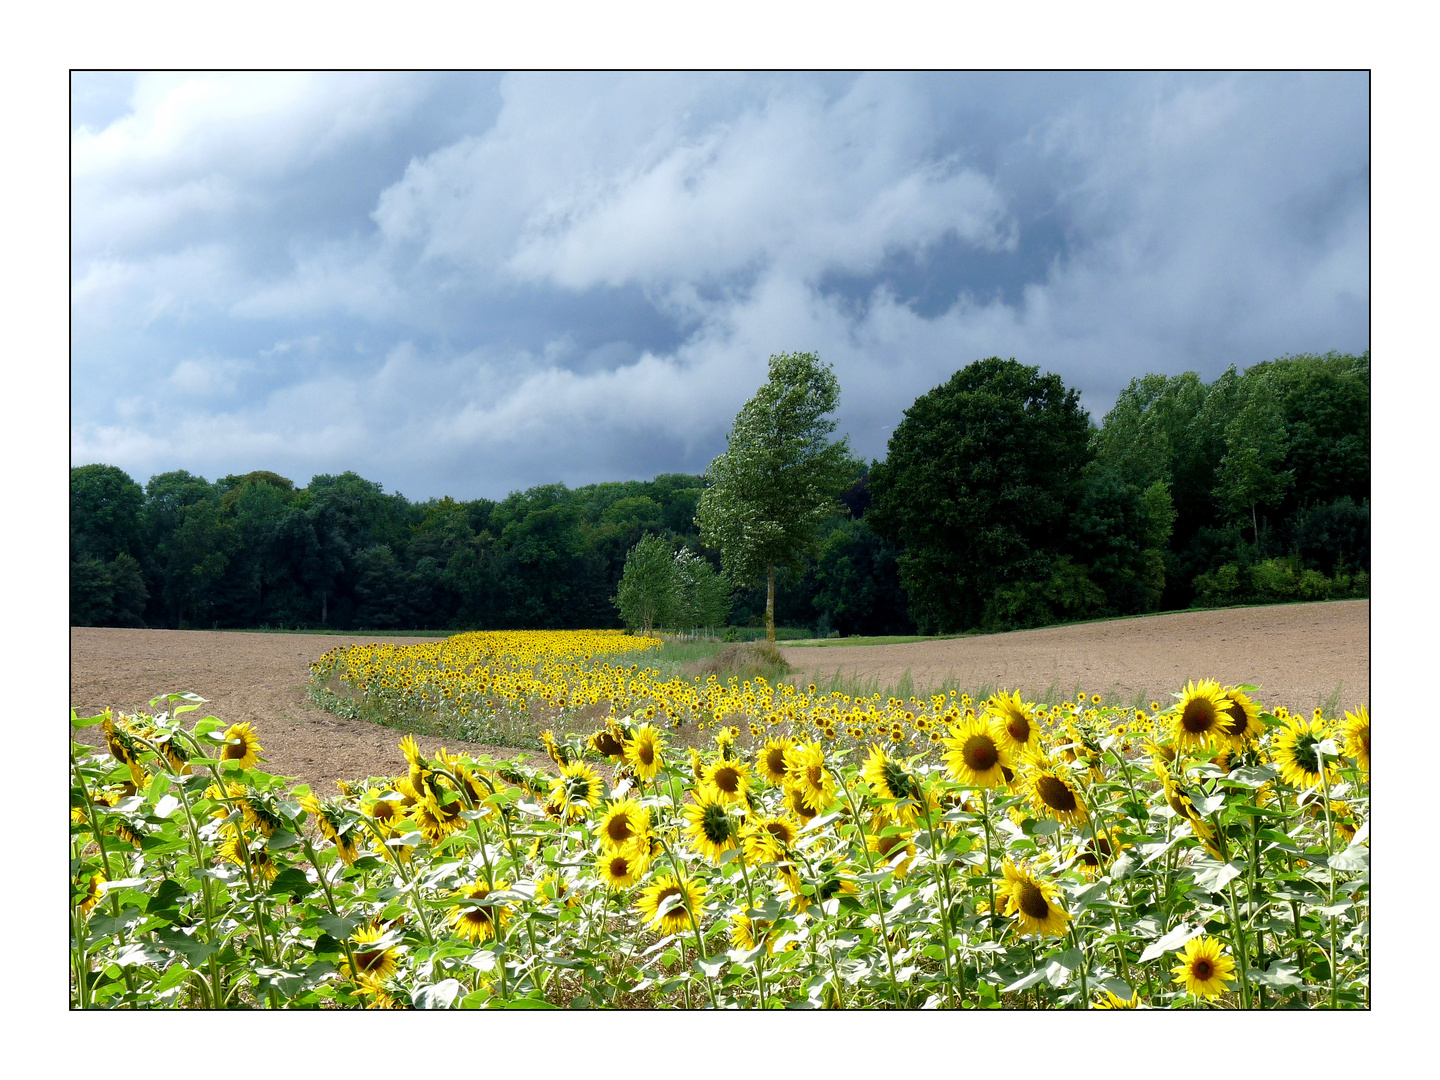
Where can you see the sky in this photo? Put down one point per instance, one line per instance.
(470, 284)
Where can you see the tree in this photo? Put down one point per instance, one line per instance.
(780, 474)
(981, 479)
(1251, 474)
(700, 597)
(646, 591)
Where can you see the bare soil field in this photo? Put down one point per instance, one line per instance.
(1298, 654)
(262, 678)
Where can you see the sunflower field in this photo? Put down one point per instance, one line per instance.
(813, 852)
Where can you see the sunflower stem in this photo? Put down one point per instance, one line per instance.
(760, 957)
(954, 992)
(1329, 846)
(1237, 928)
(94, 817)
(334, 909)
(900, 999)
(989, 867)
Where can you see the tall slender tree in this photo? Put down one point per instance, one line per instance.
(779, 477)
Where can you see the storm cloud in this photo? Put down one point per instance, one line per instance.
(469, 284)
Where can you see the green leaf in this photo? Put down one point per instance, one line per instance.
(1280, 975)
(1024, 983)
(1212, 875)
(283, 838)
(1354, 858)
(529, 1003)
(335, 926)
(441, 995)
(1175, 939)
(291, 882)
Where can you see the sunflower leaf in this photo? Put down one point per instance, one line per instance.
(1213, 875)
(1170, 942)
(1354, 857)
(1024, 983)
(1280, 975)
(441, 995)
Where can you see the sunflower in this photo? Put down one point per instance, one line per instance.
(123, 748)
(643, 751)
(241, 746)
(411, 749)
(725, 741)
(730, 779)
(434, 820)
(697, 767)
(1052, 793)
(1296, 754)
(806, 774)
(625, 825)
(1097, 852)
(1115, 1001)
(94, 890)
(1357, 738)
(795, 803)
(174, 754)
(1204, 969)
(376, 952)
(766, 839)
(575, 791)
(711, 828)
(554, 888)
(1032, 901)
(691, 896)
(889, 848)
(383, 810)
(1200, 715)
(558, 753)
(975, 755)
(746, 933)
(330, 820)
(607, 743)
(1015, 729)
(375, 990)
(1241, 724)
(832, 878)
(890, 780)
(477, 924)
(620, 869)
(771, 759)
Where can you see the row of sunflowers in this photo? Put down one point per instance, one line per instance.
(992, 854)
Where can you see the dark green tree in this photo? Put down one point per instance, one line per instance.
(977, 490)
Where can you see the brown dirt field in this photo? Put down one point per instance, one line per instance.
(1298, 654)
(261, 678)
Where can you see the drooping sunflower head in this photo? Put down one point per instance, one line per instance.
(889, 778)
(771, 759)
(796, 804)
(624, 825)
(1357, 738)
(575, 791)
(697, 766)
(1199, 715)
(436, 820)
(666, 903)
(1108, 1000)
(94, 890)
(242, 746)
(975, 756)
(477, 923)
(606, 743)
(1054, 794)
(725, 741)
(1205, 970)
(710, 827)
(730, 779)
(1032, 900)
(554, 888)
(411, 749)
(806, 773)
(1241, 724)
(644, 752)
(894, 850)
(1015, 727)
(558, 753)
(1296, 751)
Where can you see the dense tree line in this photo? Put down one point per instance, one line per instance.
(1000, 504)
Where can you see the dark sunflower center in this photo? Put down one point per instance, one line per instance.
(898, 780)
(816, 775)
(608, 745)
(1056, 793)
(1202, 969)
(779, 830)
(1018, 727)
(1032, 901)
(665, 894)
(775, 761)
(618, 829)
(727, 779)
(980, 753)
(888, 844)
(368, 959)
(234, 752)
(619, 867)
(1199, 716)
(647, 753)
(1234, 722)
(715, 824)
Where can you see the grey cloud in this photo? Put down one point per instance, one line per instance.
(463, 284)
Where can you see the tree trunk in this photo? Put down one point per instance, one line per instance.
(323, 609)
(770, 607)
(1254, 524)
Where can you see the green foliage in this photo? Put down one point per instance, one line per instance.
(646, 593)
(778, 479)
(701, 597)
(981, 479)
